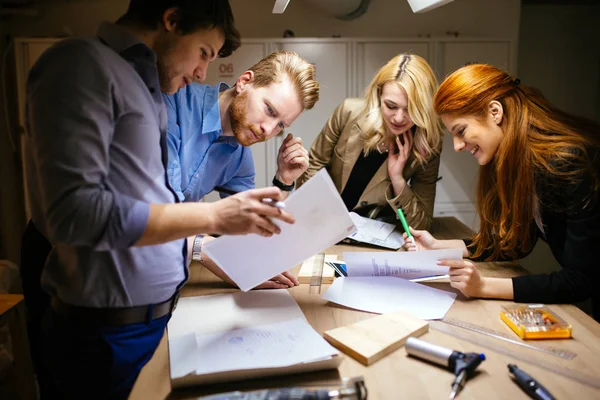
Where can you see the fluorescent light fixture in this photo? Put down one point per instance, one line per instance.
(419, 6)
(280, 6)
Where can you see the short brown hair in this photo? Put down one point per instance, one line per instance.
(300, 72)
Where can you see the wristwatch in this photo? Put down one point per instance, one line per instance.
(283, 186)
(197, 248)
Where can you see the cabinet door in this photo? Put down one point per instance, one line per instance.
(332, 60)
(228, 70)
(454, 55)
(372, 55)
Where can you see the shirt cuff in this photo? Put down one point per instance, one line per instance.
(129, 224)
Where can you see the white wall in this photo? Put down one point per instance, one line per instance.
(559, 53)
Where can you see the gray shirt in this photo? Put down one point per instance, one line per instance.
(95, 161)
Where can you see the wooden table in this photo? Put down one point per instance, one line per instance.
(12, 310)
(398, 376)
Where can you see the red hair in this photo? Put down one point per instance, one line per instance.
(538, 140)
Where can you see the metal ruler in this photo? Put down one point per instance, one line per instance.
(317, 274)
(567, 355)
(446, 327)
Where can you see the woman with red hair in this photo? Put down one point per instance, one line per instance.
(539, 178)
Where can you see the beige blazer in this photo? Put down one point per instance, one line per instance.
(339, 145)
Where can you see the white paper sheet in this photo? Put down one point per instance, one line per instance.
(253, 330)
(322, 220)
(403, 264)
(370, 227)
(263, 346)
(388, 294)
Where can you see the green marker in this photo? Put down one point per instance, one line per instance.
(404, 224)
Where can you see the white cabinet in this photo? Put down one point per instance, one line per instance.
(371, 55)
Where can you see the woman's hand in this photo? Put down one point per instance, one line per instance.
(397, 160)
(421, 240)
(465, 277)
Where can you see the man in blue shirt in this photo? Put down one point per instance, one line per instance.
(96, 170)
(210, 129)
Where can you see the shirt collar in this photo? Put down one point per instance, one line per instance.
(211, 112)
(120, 38)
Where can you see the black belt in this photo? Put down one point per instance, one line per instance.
(116, 316)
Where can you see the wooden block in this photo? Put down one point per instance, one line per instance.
(370, 340)
(306, 270)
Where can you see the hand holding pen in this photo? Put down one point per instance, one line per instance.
(278, 204)
(251, 211)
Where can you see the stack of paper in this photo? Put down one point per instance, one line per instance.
(241, 336)
(321, 221)
(376, 233)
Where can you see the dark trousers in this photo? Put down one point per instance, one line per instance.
(87, 360)
(34, 251)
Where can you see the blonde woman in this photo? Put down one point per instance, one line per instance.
(383, 151)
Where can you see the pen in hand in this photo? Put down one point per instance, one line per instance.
(529, 385)
(405, 225)
(278, 204)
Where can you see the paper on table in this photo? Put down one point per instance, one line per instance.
(322, 220)
(201, 327)
(388, 294)
(370, 227)
(404, 264)
(272, 345)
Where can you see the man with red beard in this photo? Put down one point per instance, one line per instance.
(210, 129)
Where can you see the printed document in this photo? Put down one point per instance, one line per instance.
(322, 220)
(403, 264)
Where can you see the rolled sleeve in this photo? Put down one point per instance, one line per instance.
(71, 117)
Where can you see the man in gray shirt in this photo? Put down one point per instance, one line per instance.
(96, 161)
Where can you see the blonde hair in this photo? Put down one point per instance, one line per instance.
(300, 72)
(414, 75)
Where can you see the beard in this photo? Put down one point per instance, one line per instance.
(164, 48)
(239, 124)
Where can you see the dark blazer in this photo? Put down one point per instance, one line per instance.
(570, 214)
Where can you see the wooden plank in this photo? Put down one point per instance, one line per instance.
(306, 270)
(372, 339)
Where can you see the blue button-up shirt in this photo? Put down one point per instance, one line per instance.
(95, 161)
(200, 157)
